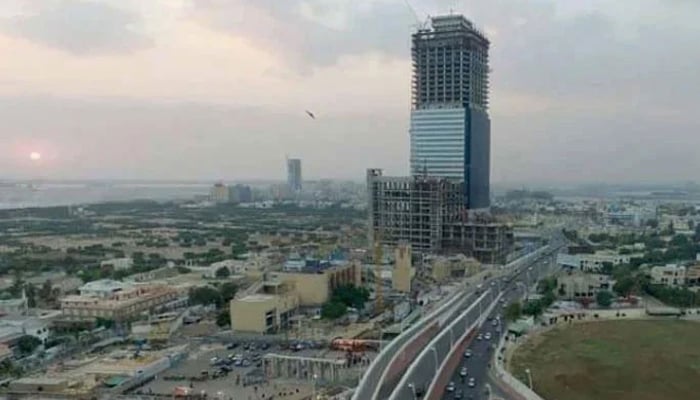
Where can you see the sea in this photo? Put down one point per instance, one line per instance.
(26, 195)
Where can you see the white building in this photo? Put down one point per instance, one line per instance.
(593, 262)
(669, 275)
(103, 288)
(580, 285)
(31, 326)
(118, 263)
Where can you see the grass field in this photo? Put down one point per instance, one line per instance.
(614, 360)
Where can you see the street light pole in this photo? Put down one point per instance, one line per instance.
(313, 392)
(437, 363)
(529, 376)
(413, 390)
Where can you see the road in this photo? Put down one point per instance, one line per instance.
(423, 370)
(479, 362)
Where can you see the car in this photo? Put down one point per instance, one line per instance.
(238, 363)
(463, 372)
(264, 346)
(458, 394)
(487, 336)
(494, 322)
(214, 360)
(468, 353)
(479, 337)
(231, 346)
(450, 387)
(471, 383)
(246, 363)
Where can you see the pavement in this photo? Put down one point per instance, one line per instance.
(480, 363)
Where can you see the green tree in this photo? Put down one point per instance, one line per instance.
(624, 286)
(533, 308)
(351, 296)
(513, 311)
(223, 272)
(205, 295)
(607, 268)
(333, 310)
(228, 292)
(27, 344)
(604, 298)
(223, 318)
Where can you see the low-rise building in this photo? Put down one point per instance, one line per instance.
(447, 268)
(578, 285)
(263, 312)
(669, 275)
(593, 262)
(118, 264)
(14, 306)
(314, 285)
(115, 300)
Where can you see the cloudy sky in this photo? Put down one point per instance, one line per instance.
(582, 91)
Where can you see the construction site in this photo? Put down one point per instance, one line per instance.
(429, 214)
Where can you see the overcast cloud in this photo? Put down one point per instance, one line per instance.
(602, 90)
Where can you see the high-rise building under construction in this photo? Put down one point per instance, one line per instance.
(450, 127)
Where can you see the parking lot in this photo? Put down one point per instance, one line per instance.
(205, 370)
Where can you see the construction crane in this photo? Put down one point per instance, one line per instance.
(378, 285)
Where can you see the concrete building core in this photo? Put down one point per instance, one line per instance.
(428, 213)
(403, 270)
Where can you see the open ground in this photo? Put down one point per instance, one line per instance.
(613, 360)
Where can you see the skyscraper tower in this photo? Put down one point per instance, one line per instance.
(294, 174)
(450, 126)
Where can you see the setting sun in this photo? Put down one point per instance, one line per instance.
(35, 156)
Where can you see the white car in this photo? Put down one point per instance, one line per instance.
(463, 372)
(479, 337)
(487, 336)
(472, 382)
(468, 353)
(450, 387)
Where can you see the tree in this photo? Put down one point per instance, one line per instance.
(223, 272)
(624, 286)
(205, 295)
(604, 298)
(228, 291)
(27, 344)
(607, 268)
(513, 311)
(223, 318)
(351, 296)
(533, 308)
(333, 310)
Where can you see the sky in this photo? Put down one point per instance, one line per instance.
(581, 91)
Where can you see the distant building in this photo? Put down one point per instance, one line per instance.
(240, 194)
(294, 174)
(669, 275)
(219, 193)
(118, 264)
